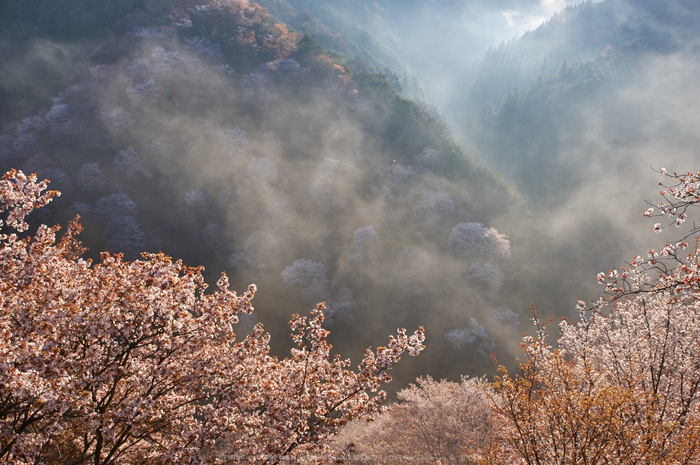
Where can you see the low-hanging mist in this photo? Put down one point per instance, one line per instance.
(220, 136)
(284, 176)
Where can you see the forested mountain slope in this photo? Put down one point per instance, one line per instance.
(626, 62)
(221, 135)
(356, 30)
(216, 134)
(579, 140)
(597, 32)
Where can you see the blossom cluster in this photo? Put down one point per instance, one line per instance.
(137, 362)
(670, 267)
(621, 384)
(431, 422)
(681, 194)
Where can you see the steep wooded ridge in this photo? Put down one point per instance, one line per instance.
(554, 100)
(216, 134)
(357, 30)
(600, 33)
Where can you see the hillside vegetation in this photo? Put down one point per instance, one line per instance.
(218, 135)
(284, 149)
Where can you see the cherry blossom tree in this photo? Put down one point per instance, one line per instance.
(475, 240)
(607, 395)
(431, 421)
(28, 134)
(365, 244)
(116, 214)
(57, 117)
(484, 249)
(234, 140)
(196, 198)
(342, 306)
(559, 411)
(284, 69)
(622, 384)
(92, 177)
(136, 362)
(203, 47)
(324, 190)
(433, 206)
(128, 163)
(670, 267)
(475, 334)
(143, 94)
(116, 119)
(308, 276)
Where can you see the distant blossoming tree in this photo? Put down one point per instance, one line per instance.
(434, 205)
(135, 363)
(620, 389)
(128, 164)
(440, 421)
(504, 317)
(475, 240)
(117, 216)
(308, 276)
(92, 177)
(485, 250)
(342, 306)
(365, 244)
(59, 119)
(28, 134)
(143, 94)
(234, 140)
(325, 189)
(475, 334)
(196, 198)
(117, 119)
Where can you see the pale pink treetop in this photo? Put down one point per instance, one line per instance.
(137, 362)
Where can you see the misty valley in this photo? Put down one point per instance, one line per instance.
(461, 169)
